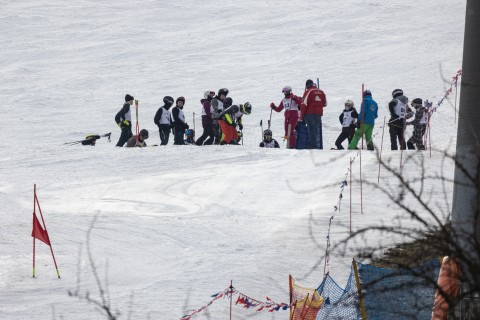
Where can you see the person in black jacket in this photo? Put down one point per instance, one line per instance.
(399, 112)
(163, 120)
(348, 119)
(179, 123)
(124, 120)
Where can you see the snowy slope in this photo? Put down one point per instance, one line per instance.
(175, 225)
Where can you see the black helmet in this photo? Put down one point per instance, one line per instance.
(246, 108)
(367, 93)
(228, 102)
(267, 135)
(168, 101)
(397, 93)
(144, 133)
(223, 91)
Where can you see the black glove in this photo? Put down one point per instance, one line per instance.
(358, 124)
(186, 126)
(240, 126)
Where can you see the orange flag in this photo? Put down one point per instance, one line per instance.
(38, 232)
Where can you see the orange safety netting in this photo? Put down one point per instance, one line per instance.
(305, 302)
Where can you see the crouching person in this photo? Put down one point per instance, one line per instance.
(268, 141)
(140, 142)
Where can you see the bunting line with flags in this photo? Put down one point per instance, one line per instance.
(40, 232)
(242, 300)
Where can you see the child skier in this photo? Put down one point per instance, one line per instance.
(179, 123)
(268, 141)
(190, 134)
(163, 120)
(348, 119)
(132, 142)
(123, 118)
(291, 103)
(419, 124)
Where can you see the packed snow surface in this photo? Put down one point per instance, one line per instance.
(173, 225)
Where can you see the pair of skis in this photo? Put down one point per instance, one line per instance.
(88, 139)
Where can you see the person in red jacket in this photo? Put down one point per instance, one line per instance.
(311, 112)
(291, 103)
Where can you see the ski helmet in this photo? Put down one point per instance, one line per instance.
(309, 83)
(267, 135)
(397, 93)
(144, 133)
(246, 108)
(168, 101)
(208, 93)
(287, 90)
(349, 103)
(367, 93)
(228, 102)
(223, 91)
(190, 133)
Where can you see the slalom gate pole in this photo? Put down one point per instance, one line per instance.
(381, 148)
(45, 226)
(231, 298)
(350, 196)
(403, 145)
(288, 136)
(430, 139)
(34, 207)
(363, 131)
(456, 100)
(137, 126)
(318, 83)
(261, 128)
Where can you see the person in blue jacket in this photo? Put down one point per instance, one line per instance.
(366, 121)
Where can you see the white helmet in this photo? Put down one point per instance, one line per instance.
(349, 103)
(208, 93)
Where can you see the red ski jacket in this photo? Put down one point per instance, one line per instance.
(313, 102)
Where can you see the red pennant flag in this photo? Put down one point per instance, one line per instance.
(38, 232)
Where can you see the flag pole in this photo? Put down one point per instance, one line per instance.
(381, 148)
(362, 106)
(45, 227)
(34, 197)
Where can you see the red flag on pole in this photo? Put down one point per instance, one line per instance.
(38, 232)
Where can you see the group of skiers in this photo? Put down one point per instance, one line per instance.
(222, 121)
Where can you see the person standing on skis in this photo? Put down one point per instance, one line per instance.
(419, 124)
(218, 105)
(348, 119)
(123, 118)
(291, 103)
(207, 121)
(366, 121)
(179, 123)
(313, 102)
(399, 112)
(163, 120)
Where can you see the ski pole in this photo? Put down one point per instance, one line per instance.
(261, 127)
(270, 120)
(137, 129)
(194, 121)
